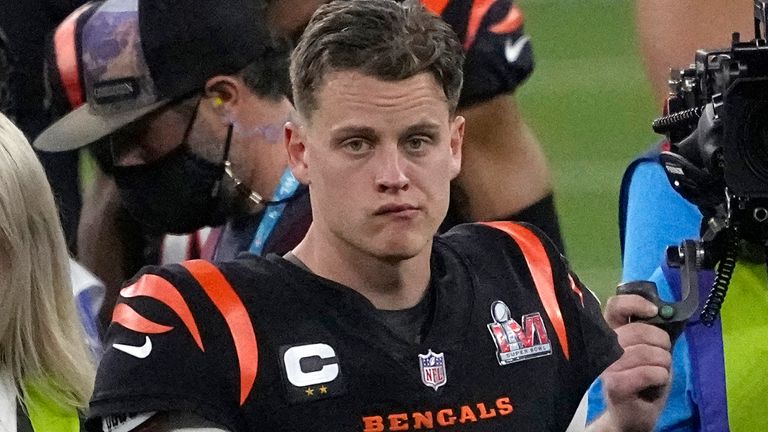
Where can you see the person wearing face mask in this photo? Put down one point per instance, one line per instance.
(182, 143)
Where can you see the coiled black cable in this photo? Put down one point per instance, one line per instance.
(722, 277)
(687, 117)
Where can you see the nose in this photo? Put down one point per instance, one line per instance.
(390, 173)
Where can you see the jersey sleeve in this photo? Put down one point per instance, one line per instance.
(168, 348)
(499, 56)
(590, 345)
(595, 345)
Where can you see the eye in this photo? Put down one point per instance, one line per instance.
(417, 143)
(357, 145)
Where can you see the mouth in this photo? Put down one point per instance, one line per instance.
(403, 210)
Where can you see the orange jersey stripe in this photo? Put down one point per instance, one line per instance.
(239, 322)
(435, 6)
(541, 272)
(156, 287)
(510, 23)
(66, 57)
(476, 15)
(127, 317)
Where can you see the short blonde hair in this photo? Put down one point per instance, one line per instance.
(41, 338)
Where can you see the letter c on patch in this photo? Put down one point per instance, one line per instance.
(292, 360)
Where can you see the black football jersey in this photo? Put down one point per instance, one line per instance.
(498, 53)
(259, 344)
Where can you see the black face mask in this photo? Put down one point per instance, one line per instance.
(178, 193)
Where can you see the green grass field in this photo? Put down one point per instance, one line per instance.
(591, 107)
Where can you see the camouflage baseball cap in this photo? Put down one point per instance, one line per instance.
(135, 56)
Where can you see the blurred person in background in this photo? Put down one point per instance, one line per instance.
(202, 149)
(46, 371)
(26, 24)
(669, 33)
(653, 216)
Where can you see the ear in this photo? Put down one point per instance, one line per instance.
(457, 140)
(225, 94)
(295, 143)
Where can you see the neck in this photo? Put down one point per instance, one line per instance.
(266, 168)
(259, 158)
(389, 284)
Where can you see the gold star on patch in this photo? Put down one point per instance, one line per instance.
(310, 391)
(323, 390)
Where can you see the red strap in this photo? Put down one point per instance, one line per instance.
(65, 48)
(541, 272)
(238, 320)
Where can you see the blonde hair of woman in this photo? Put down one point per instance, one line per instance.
(42, 345)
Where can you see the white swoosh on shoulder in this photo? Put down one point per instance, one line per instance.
(136, 351)
(512, 50)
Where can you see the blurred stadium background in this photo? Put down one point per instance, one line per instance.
(591, 106)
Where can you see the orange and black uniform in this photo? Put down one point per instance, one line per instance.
(498, 54)
(260, 344)
(499, 58)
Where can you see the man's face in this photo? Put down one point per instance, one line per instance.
(379, 157)
(178, 185)
(167, 190)
(154, 135)
(256, 120)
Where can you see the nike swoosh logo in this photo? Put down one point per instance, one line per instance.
(512, 51)
(136, 351)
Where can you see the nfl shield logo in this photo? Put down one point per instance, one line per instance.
(432, 369)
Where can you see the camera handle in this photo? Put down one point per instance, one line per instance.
(671, 316)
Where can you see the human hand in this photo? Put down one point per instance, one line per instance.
(636, 385)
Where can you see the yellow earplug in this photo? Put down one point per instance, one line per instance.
(217, 102)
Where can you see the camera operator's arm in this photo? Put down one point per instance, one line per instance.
(645, 364)
(500, 150)
(671, 31)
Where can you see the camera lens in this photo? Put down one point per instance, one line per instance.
(755, 150)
